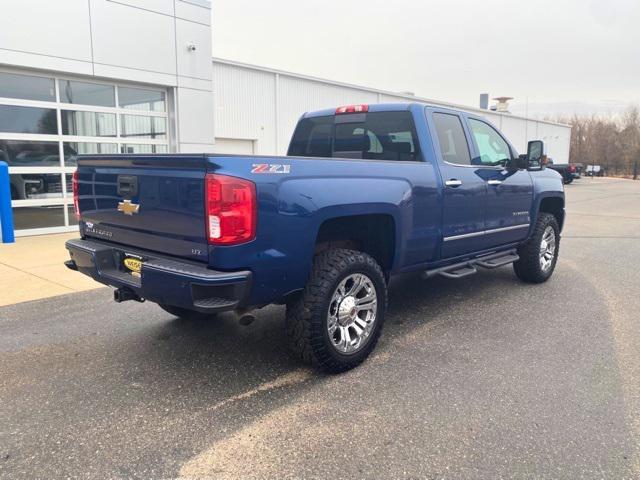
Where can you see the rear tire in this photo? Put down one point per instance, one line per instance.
(185, 313)
(336, 322)
(539, 254)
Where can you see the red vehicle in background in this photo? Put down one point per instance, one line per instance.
(569, 171)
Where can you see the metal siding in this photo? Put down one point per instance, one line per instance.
(492, 117)
(532, 132)
(296, 96)
(246, 108)
(234, 146)
(556, 141)
(393, 98)
(516, 131)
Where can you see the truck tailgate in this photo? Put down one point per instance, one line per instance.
(150, 202)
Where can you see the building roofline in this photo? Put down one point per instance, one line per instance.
(410, 98)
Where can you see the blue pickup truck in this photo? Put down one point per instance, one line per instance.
(365, 192)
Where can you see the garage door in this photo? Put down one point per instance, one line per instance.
(234, 145)
(41, 135)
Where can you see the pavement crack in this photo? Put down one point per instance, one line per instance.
(291, 378)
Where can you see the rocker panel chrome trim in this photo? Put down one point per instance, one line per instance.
(486, 232)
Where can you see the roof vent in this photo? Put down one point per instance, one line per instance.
(503, 104)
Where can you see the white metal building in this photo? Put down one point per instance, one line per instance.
(136, 76)
(257, 109)
(97, 76)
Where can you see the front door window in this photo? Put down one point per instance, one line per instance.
(493, 150)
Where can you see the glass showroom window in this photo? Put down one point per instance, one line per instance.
(46, 122)
(141, 99)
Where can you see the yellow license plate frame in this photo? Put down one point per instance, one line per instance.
(133, 265)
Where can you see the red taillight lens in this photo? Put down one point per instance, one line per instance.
(230, 209)
(352, 109)
(76, 200)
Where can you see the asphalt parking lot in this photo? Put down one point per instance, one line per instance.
(482, 377)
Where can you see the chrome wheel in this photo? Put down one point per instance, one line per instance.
(547, 248)
(352, 313)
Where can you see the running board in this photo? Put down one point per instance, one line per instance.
(468, 267)
(500, 261)
(460, 272)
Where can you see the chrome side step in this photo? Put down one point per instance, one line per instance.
(468, 267)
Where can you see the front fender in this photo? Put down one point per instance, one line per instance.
(547, 183)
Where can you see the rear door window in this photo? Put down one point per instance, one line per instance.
(373, 136)
(452, 140)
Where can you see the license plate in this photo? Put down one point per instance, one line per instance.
(133, 264)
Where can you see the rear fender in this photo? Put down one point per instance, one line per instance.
(354, 195)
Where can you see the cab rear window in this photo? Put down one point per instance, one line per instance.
(371, 136)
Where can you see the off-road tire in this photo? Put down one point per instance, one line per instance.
(185, 313)
(528, 268)
(307, 316)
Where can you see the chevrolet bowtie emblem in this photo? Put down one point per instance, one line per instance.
(128, 208)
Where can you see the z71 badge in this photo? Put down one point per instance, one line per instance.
(270, 168)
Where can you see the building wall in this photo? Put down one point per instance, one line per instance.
(97, 76)
(129, 40)
(263, 105)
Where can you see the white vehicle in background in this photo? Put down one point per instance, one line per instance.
(594, 171)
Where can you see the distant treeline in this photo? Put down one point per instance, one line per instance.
(612, 142)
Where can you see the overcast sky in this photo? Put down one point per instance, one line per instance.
(561, 55)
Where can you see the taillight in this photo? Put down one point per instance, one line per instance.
(352, 109)
(76, 200)
(230, 208)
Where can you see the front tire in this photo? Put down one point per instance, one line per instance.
(336, 322)
(539, 254)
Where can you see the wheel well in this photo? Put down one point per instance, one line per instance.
(371, 234)
(554, 206)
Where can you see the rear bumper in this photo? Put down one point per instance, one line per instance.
(162, 279)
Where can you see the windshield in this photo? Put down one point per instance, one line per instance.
(371, 136)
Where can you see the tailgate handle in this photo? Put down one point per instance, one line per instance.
(127, 185)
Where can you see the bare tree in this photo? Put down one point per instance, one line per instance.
(612, 142)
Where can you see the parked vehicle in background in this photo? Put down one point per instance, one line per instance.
(595, 171)
(366, 192)
(579, 169)
(31, 186)
(26, 186)
(569, 171)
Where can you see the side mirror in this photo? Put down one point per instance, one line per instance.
(535, 153)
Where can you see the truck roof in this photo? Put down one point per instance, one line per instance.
(380, 107)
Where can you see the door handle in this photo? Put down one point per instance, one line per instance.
(454, 182)
(494, 182)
